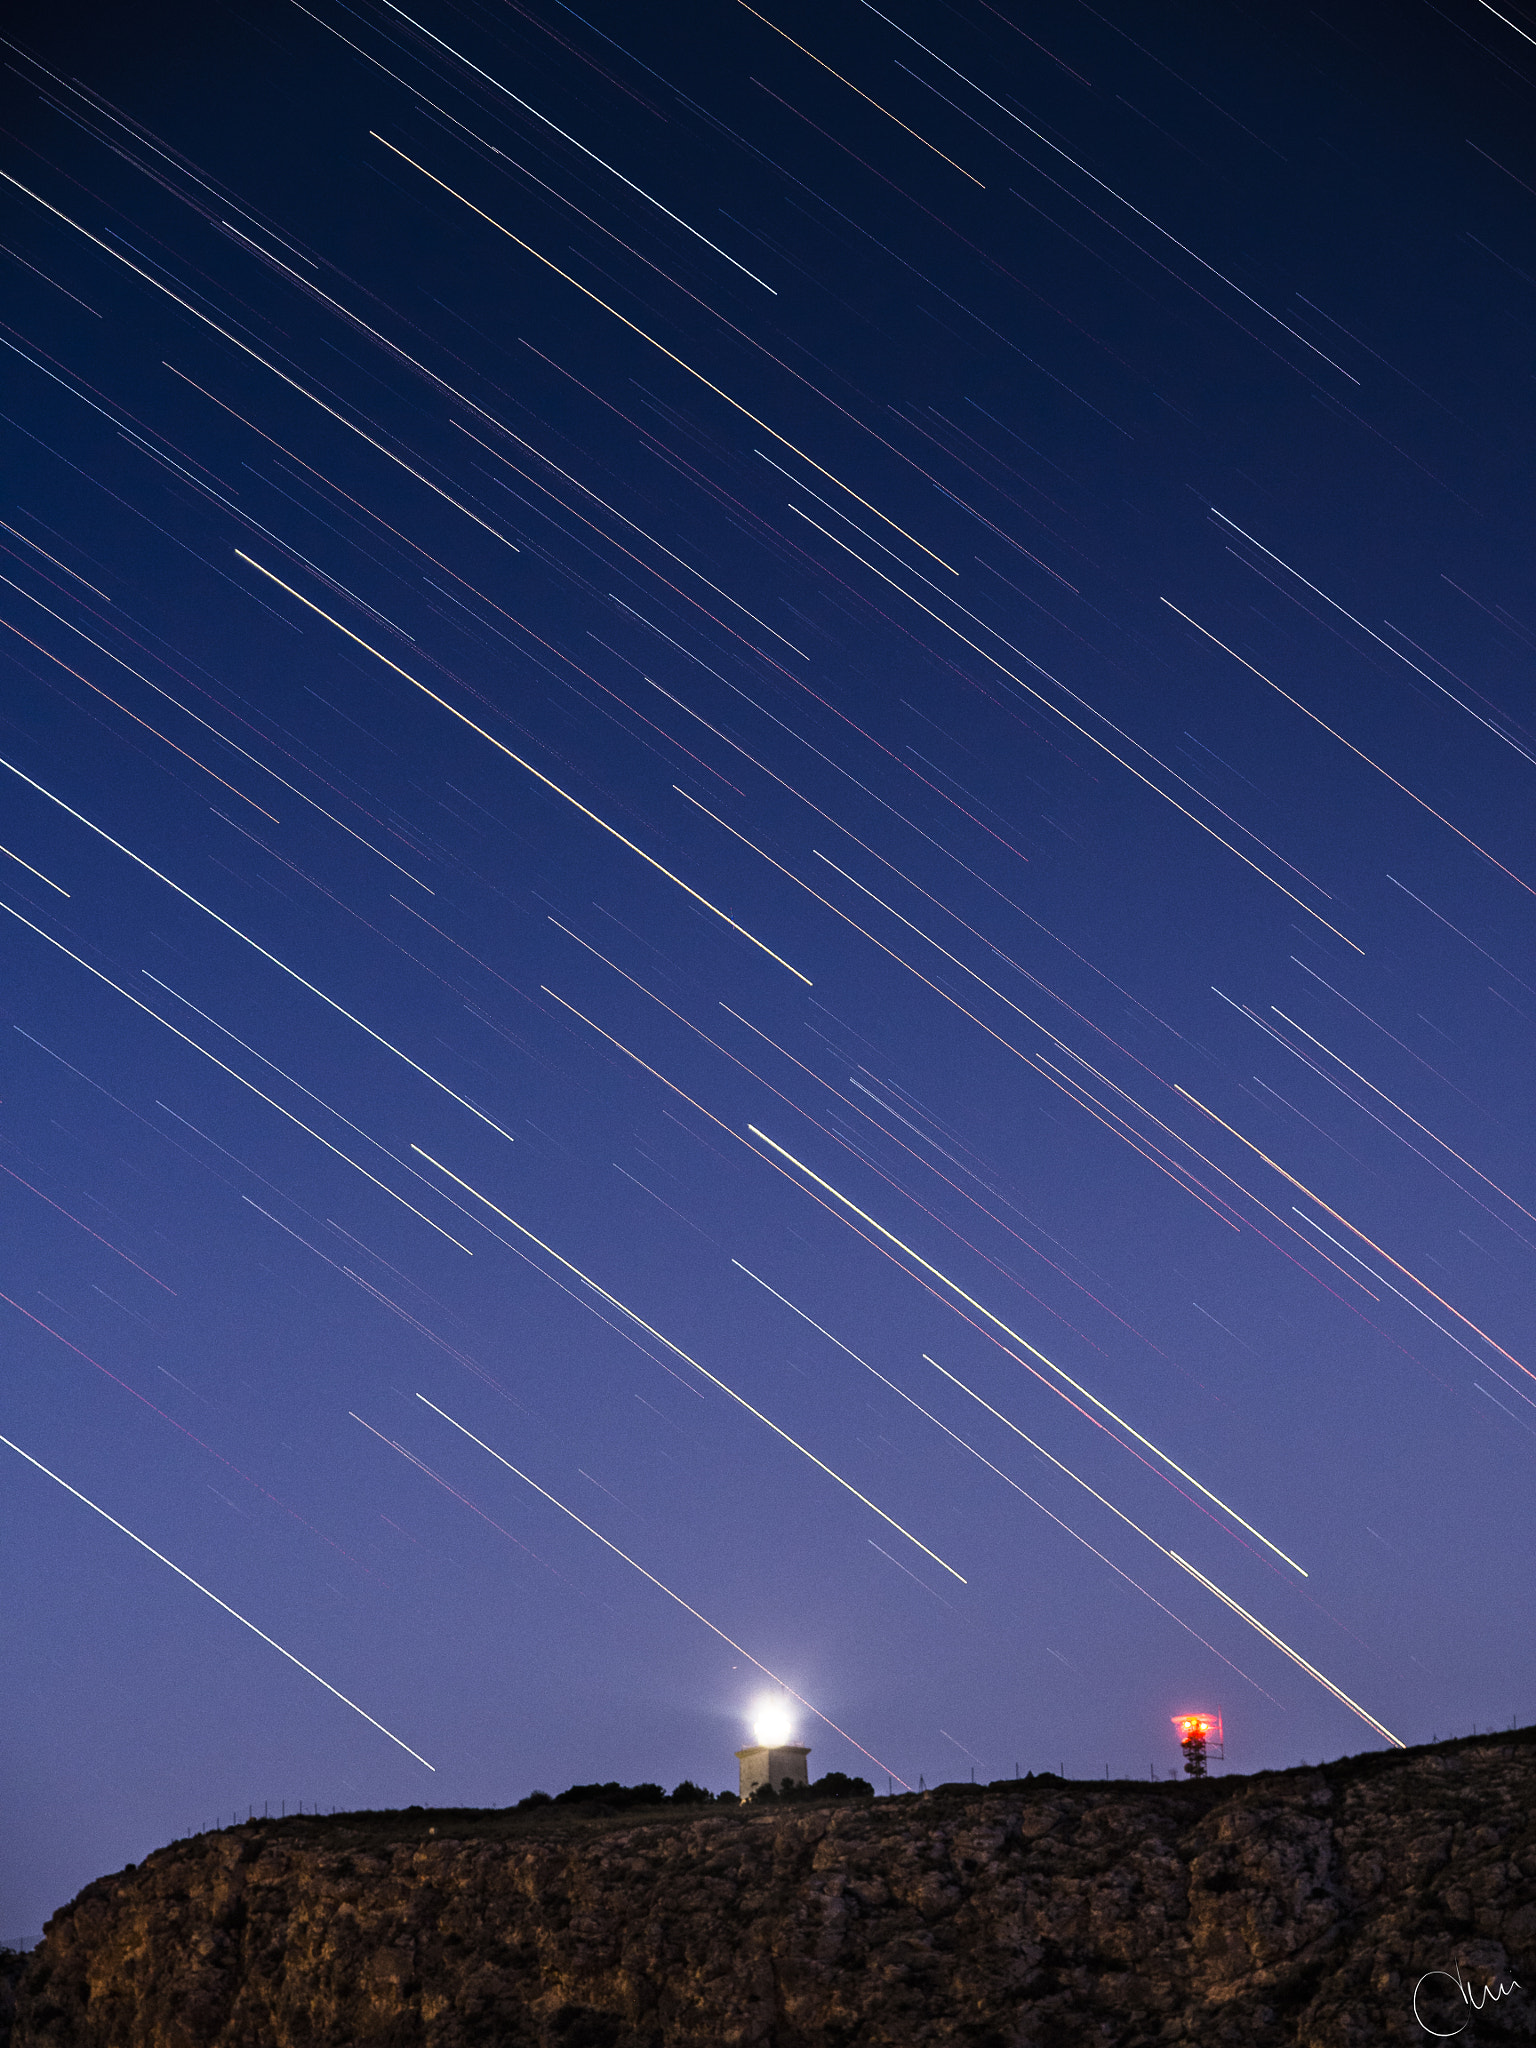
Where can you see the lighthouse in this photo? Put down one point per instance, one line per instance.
(773, 1758)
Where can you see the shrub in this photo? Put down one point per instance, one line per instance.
(838, 1785)
(689, 1794)
(613, 1796)
(583, 1795)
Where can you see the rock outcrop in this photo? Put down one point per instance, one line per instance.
(1295, 1907)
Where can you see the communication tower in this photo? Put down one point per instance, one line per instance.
(1197, 1734)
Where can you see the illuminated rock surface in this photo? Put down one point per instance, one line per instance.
(1296, 1907)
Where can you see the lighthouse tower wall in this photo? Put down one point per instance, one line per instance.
(762, 1765)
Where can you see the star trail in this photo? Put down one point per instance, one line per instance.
(769, 778)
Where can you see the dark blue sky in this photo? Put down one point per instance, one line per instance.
(783, 766)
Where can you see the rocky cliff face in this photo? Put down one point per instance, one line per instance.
(1299, 1907)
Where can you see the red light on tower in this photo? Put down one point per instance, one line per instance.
(1196, 1733)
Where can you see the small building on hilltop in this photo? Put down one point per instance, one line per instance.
(775, 1764)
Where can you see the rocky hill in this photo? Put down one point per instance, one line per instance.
(1292, 1907)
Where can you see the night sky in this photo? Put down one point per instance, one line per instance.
(768, 881)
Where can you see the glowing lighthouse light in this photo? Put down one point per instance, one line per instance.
(773, 1763)
(772, 1727)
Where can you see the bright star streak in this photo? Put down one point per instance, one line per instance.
(1092, 739)
(1333, 603)
(111, 1247)
(1381, 1281)
(1023, 1342)
(390, 4)
(998, 1416)
(1286, 1650)
(678, 1352)
(862, 95)
(1268, 1634)
(1507, 22)
(1066, 1527)
(1412, 797)
(1402, 1112)
(1355, 1231)
(496, 743)
(640, 1568)
(164, 738)
(199, 1588)
(997, 1321)
(586, 491)
(944, 995)
(32, 870)
(692, 372)
(282, 1075)
(223, 738)
(207, 1055)
(291, 972)
(1048, 144)
(977, 620)
(838, 1095)
(292, 382)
